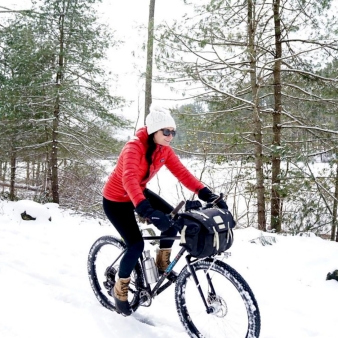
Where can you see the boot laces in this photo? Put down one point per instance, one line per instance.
(124, 288)
(166, 258)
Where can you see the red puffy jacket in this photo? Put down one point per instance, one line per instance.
(126, 183)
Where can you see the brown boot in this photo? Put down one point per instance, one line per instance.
(163, 259)
(121, 296)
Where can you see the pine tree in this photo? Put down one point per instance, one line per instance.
(64, 90)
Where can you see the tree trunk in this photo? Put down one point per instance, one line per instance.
(276, 220)
(13, 173)
(4, 172)
(334, 232)
(54, 155)
(150, 49)
(260, 190)
(20, 186)
(28, 172)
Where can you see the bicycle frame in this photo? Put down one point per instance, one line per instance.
(210, 277)
(159, 288)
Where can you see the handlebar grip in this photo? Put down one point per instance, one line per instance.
(219, 198)
(178, 207)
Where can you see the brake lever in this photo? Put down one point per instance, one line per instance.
(177, 209)
(219, 198)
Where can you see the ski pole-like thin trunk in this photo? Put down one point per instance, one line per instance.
(150, 49)
(276, 222)
(334, 232)
(54, 154)
(260, 189)
(13, 174)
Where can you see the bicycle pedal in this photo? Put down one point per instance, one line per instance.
(110, 288)
(108, 285)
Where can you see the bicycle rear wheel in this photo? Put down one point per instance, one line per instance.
(235, 311)
(102, 272)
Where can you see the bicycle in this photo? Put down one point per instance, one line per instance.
(212, 298)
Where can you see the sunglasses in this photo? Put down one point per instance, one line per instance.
(167, 132)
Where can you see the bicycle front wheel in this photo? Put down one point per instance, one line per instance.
(234, 310)
(103, 265)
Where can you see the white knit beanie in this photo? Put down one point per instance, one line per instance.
(159, 118)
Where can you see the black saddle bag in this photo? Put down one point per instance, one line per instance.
(206, 232)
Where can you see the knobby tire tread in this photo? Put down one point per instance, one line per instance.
(234, 277)
(107, 302)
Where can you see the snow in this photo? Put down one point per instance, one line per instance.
(45, 291)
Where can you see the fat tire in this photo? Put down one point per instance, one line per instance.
(108, 301)
(254, 320)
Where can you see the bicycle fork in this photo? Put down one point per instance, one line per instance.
(194, 276)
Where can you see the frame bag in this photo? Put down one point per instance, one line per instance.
(206, 232)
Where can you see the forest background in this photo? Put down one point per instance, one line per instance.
(254, 93)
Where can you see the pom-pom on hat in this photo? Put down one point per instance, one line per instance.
(159, 118)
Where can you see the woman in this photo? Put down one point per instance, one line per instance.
(125, 191)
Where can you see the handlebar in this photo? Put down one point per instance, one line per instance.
(176, 210)
(220, 197)
(208, 205)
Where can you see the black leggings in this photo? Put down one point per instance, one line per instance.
(122, 216)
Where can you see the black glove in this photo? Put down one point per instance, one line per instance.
(157, 217)
(207, 196)
(192, 205)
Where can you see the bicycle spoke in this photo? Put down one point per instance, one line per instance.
(103, 265)
(229, 303)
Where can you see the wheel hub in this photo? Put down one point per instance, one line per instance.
(218, 306)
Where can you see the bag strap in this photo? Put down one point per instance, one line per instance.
(230, 234)
(216, 239)
(183, 240)
(200, 213)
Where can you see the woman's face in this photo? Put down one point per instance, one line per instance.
(161, 139)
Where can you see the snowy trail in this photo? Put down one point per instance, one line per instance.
(45, 292)
(45, 288)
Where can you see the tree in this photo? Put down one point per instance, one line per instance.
(251, 57)
(257, 122)
(149, 68)
(65, 95)
(17, 70)
(276, 219)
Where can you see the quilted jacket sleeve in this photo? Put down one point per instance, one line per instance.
(132, 158)
(176, 167)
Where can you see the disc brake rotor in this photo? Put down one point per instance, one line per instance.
(218, 306)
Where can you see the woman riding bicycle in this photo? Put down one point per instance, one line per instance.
(125, 191)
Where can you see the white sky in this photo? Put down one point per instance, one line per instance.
(125, 17)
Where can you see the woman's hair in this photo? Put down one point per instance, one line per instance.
(150, 151)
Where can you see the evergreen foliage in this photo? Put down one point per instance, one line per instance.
(56, 104)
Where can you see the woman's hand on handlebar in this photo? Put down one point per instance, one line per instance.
(212, 199)
(156, 217)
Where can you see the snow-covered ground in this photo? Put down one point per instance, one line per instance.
(45, 292)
